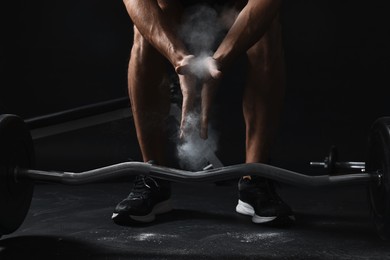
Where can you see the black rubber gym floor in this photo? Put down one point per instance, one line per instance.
(74, 223)
(67, 222)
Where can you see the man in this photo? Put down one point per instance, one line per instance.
(254, 32)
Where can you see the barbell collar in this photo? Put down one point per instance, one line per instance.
(351, 165)
(341, 165)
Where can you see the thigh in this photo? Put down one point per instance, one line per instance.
(265, 80)
(267, 53)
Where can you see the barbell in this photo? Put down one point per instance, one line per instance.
(17, 174)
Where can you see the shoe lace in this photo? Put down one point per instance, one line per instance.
(266, 187)
(141, 186)
(273, 195)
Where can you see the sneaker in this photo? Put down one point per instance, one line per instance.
(147, 198)
(258, 199)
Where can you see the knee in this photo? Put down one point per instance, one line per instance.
(265, 59)
(140, 44)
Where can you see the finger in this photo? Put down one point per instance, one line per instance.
(215, 73)
(212, 66)
(204, 125)
(208, 92)
(187, 84)
(186, 111)
(183, 69)
(185, 66)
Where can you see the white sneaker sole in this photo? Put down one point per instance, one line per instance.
(246, 209)
(160, 208)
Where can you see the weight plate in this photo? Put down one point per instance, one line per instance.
(378, 160)
(332, 159)
(16, 149)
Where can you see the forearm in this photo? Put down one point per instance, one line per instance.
(250, 25)
(157, 28)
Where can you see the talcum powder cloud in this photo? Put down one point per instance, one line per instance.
(201, 30)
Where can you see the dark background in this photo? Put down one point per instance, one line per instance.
(57, 55)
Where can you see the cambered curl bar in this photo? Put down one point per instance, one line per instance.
(17, 174)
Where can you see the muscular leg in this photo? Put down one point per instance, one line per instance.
(149, 93)
(264, 93)
(149, 97)
(262, 103)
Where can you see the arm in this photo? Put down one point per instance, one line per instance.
(157, 28)
(250, 25)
